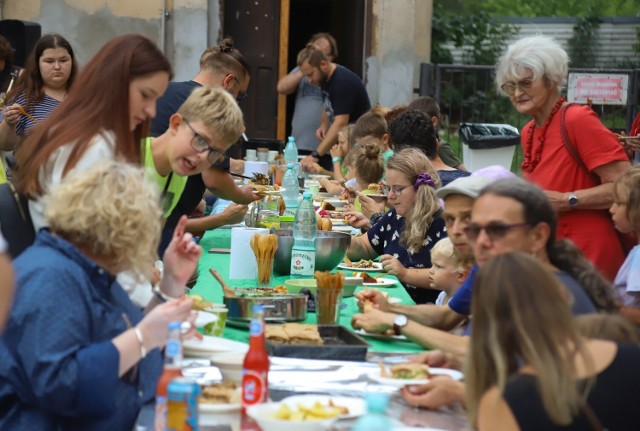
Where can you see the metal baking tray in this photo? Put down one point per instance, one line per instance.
(339, 344)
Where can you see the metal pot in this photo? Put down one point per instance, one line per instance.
(282, 308)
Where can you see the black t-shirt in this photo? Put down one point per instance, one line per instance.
(169, 103)
(345, 93)
(614, 398)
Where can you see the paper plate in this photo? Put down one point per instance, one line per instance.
(209, 345)
(377, 267)
(356, 406)
(398, 383)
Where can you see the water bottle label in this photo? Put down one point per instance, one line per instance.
(303, 262)
(173, 347)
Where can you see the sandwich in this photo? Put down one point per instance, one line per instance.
(374, 187)
(409, 371)
(226, 392)
(276, 334)
(302, 334)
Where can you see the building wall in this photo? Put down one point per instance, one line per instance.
(88, 24)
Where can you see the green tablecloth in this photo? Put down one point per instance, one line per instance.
(209, 289)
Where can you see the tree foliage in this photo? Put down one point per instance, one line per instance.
(548, 8)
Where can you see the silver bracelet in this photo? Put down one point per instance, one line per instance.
(143, 351)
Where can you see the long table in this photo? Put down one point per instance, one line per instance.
(209, 289)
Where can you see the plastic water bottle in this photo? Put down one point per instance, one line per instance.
(376, 418)
(291, 189)
(291, 155)
(291, 151)
(172, 369)
(305, 229)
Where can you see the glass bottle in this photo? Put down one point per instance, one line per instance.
(171, 370)
(255, 368)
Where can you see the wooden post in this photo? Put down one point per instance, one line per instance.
(283, 59)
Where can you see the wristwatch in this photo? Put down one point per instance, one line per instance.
(399, 322)
(573, 200)
(315, 154)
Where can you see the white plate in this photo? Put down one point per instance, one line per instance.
(382, 282)
(398, 383)
(336, 202)
(270, 192)
(377, 267)
(318, 176)
(381, 336)
(204, 408)
(338, 222)
(356, 406)
(208, 345)
(345, 229)
(394, 300)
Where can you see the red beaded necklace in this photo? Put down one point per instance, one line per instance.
(529, 164)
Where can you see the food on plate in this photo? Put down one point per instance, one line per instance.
(293, 333)
(261, 292)
(314, 413)
(363, 263)
(324, 223)
(227, 392)
(260, 179)
(406, 371)
(264, 188)
(327, 206)
(366, 278)
(374, 187)
(199, 303)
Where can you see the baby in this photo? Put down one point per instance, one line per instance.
(447, 271)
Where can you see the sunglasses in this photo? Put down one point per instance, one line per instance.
(494, 231)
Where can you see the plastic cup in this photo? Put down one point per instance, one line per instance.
(216, 328)
(314, 189)
(264, 274)
(328, 302)
(251, 155)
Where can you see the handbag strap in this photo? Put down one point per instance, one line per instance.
(571, 149)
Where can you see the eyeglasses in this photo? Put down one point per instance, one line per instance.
(200, 145)
(397, 190)
(241, 94)
(510, 87)
(494, 231)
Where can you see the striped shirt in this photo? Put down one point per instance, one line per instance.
(38, 109)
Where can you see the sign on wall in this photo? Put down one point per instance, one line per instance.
(598, 88)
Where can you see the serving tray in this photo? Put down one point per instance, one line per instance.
(339, 343)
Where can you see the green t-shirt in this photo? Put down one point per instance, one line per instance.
(447, 155)
(172, 183)
(385, 158)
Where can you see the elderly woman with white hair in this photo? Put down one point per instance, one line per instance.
(77, 354)
(567, 150)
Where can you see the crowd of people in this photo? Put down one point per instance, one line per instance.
(523, 283)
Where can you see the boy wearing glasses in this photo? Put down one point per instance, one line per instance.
(204, 127)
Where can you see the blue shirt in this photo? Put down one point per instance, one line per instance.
(384, 237)
(58, 366)
(461, 301)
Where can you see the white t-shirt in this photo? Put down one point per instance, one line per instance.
(441, 297)
(102, 148)
(3, 244)
(627, 282)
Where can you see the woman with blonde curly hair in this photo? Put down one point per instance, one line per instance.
(529, 368)
(405, 235)
(77, 353)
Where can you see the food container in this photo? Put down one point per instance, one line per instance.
(277, 308)
(330, 250)
(339, 344)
